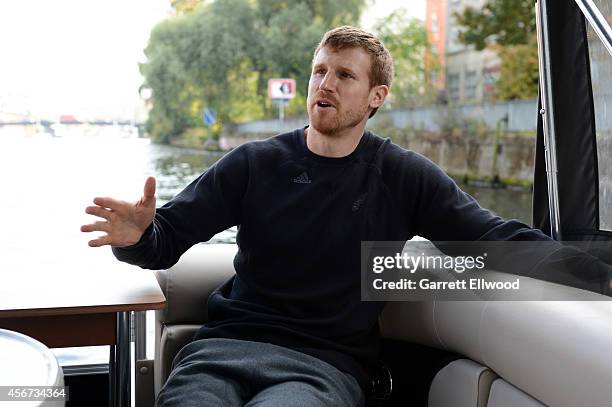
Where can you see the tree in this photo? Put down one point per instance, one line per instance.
(406, 39)
(519, 72)
(220, 54)
(324, 12)
(502, 22)
(508, 27)
(184, 6)
(165, 74)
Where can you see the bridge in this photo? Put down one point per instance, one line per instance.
(17, 119)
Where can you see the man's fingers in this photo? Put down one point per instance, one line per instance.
(96, 227)
(149, 188)
(101, 241)
(110, 203)
(98, 211)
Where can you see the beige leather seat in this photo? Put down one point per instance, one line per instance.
(558, 353)
(187, 287)
(503, 394)
(461, 383)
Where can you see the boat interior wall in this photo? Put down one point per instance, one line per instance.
(536, 346)
(574, 126)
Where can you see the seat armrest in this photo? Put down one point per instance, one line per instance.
(172, 340)
(188, 284)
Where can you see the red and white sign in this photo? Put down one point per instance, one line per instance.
(281, 88)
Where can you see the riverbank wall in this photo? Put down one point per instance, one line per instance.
(492, 143)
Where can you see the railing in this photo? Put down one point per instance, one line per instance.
(597, 22)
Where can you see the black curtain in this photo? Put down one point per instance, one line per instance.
(575, 130)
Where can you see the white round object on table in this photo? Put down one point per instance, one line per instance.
(27, 363)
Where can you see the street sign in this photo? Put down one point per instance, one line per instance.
(281, 88)
(209, 116)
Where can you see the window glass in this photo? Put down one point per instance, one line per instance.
(453, 86)
(601, 76)
(471, 81)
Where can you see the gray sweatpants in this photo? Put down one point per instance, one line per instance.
(229, 372)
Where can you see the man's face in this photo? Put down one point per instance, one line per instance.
(339, 92)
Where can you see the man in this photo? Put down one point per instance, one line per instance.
(289, 328)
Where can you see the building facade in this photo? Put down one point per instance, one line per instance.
(469, 75)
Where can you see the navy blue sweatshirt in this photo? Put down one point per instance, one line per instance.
(301, 218)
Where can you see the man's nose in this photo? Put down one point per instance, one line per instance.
(328, 83)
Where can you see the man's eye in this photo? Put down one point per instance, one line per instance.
(319, 72)
(346, 75)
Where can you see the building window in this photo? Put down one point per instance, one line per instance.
(490, 75)
(471, 82)
(453, 86)
(453, 40)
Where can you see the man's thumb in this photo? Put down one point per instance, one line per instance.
(149, 189)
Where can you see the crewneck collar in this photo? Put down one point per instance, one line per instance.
(303, 147)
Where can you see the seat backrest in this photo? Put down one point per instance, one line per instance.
(555, 351)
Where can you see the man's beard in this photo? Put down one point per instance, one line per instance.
(340, 121)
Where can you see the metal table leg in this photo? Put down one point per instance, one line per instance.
(120, 376)
(112, 368)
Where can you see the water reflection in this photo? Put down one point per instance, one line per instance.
(175, 167)
(507, 203)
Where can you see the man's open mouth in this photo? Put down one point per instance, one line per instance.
(322, 103)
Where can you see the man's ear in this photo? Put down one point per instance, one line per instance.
(378, 94)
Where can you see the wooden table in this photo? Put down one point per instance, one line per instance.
(86, 308)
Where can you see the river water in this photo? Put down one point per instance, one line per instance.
(48, 181)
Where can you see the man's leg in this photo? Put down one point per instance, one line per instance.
(228, 372)
(288, 378)
(203, 374)
(300, 394)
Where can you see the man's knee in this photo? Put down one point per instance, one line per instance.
(298, 394)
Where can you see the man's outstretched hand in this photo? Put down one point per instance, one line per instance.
(124, 222)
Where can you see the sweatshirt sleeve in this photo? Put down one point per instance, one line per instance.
(207, 206)
(446, 213)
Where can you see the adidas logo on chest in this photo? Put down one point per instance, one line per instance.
(302, 179)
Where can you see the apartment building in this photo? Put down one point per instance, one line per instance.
(464, 74)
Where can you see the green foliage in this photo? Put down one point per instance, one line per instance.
(519, 71)
(327, 13)
(508, 27)
(290, 40)
(406, 39)
(165, 76)
(184, 6)
(503, 22)
(220, 54)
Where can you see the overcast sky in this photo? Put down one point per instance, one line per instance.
(81, 57)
